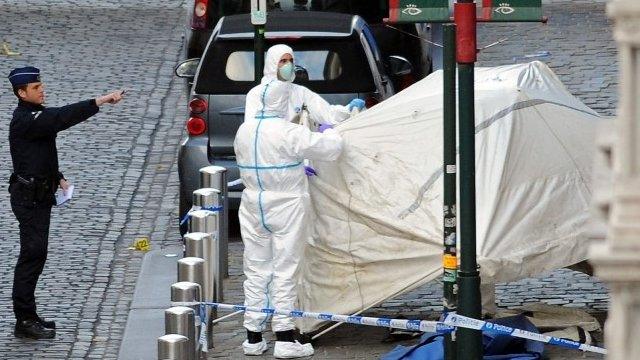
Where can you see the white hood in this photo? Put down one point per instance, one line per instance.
(271, 61)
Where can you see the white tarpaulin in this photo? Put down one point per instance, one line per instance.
(378, 226)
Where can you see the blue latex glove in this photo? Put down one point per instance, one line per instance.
(323, 127)
(309, 171)
(356, 103)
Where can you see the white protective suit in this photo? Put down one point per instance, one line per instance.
(274, 218)
(320, 110)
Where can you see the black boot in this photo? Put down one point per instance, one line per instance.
(46, 323)
(33, 329)
(287, 336)
(254, 337)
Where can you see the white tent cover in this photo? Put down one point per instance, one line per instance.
(378, 210)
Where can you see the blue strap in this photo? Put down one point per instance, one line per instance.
(269, 167)
(262, 117)
(268, 301)
(255, 156)
(187, 216)
(264, 224)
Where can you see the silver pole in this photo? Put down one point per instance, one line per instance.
(203, 245)
(207, 197)
(204, 221)
(216, 177)
(191, 269)
(172, 347)
(210, 198)
(185, 292)
(181, 320)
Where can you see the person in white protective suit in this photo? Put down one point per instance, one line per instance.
(280, 59)
(274, 219)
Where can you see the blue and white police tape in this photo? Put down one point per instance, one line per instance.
(187, 216)
(470, 323)
(449, 324)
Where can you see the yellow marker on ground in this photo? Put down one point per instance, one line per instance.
(141, 244)
(5, 50)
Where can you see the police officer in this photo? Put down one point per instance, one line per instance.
(35, 179)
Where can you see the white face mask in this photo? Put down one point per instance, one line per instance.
(287, 72)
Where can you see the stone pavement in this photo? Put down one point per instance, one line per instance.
(123, 164)
(122, 161)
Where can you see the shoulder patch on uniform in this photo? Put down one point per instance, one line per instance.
(36, 114)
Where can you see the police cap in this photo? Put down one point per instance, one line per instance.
(24, 75)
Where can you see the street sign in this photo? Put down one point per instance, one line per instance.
(512, 10)
(434, 11)
(418, 11)
(258, 12)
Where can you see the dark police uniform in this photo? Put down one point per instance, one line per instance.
(35, 178)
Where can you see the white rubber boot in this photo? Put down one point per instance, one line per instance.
(254, 349)
(291, 350)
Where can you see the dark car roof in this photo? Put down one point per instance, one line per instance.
(292, 21)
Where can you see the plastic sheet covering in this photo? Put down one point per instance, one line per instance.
(378, 210)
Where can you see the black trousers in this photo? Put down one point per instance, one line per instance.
(34, 219)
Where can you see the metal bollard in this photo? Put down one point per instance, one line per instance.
(191, 269)
(207, 198)
(181, 320)
(186, 292)
(204, 221)
(172, 347)
(204, 245)
(216, 177)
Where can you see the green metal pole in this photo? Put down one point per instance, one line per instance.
(258, 49)
(450, 261)
(469, 341)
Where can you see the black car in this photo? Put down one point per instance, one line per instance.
(336, 56)
(203, 15)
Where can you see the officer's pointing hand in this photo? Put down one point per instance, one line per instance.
(112, 98)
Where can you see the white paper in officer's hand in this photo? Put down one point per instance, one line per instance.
(63, 196)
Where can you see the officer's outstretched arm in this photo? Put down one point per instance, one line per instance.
(50, 121)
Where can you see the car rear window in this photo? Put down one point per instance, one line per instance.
(336, 65)
(313, 65)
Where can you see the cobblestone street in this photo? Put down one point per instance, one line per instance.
(123, 163)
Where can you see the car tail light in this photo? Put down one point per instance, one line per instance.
(196, 126)
(200, 15)
(370, 101)
(197, 106)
